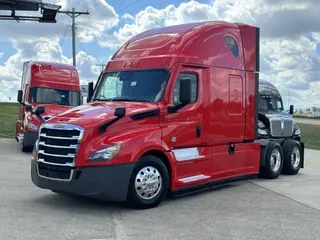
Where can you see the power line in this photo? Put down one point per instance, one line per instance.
(101, 65)
(107, 18)
(98, 3)
(65, 33)
(81, 45)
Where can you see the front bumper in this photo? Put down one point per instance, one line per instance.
(103, 182)
(29, 138)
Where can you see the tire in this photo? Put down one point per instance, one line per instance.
(273, 162)
(140, 197)
(25, 148)
(292, 152)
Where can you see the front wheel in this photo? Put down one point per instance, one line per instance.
(292, 152)
(149, 183)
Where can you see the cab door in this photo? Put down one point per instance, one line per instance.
(183, 128)
(183, 131)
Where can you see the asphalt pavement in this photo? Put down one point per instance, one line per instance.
(307, 121)
(285, 208)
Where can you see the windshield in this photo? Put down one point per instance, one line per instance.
(54, 96)
(267, 103)
(137, 85)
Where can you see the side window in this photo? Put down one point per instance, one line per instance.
(232, 44)
(194, 87)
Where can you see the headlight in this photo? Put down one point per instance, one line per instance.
(32, 126)
(261, 124)
(296, 130)
(262, 131)
(105, 154)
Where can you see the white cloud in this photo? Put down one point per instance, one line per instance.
(151, 17)
(42, 50)
(1, 54)
(288, 54)
(290, 37)
(101, 18)
(87, 69)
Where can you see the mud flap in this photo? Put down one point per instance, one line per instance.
(302, 157)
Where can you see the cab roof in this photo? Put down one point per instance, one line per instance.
(50, 74)
(200, 43)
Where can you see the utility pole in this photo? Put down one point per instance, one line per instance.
(102, 66)
(74, 15)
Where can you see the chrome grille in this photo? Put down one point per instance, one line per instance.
(58, 143)
(281, 127)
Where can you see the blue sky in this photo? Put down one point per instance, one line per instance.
(290, 37)
(134, 8)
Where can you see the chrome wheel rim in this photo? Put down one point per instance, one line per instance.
(295, 157)
(275, 160)
(148, 183)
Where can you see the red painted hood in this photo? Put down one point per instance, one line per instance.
(51, 110)
(92, 114)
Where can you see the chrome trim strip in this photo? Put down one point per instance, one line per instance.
(65, 138)
(73, 146)
(68, 164)
(186, 154)
(189, 158)
(62, 126)
(193, 178)
(70, 155)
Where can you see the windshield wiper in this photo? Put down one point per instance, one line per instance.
(121, 99)
(128, 99)
(102, 99)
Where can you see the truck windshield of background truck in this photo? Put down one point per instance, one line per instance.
(136, 86)
(54, 96)
(270, 103)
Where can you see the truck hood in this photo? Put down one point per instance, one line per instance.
(272, 114)
(94, 113)
(51, 110)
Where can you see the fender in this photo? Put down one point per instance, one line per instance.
(135, 143)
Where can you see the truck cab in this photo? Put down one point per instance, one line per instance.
(52, 85)
(175, 109)
(272, 114)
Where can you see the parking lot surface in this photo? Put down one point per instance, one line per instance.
(307, 121)
(285, 208)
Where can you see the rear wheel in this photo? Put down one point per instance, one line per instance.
(274, 161)
(149, 183)
(292, 152)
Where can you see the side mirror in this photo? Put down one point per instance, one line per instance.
(19, 97)
(39, 110)
(120, 112)
(29, 108)
(90, 91)
(185, 91)
(291, 109)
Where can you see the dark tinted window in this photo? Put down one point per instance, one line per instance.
(54, 96)
(194, 82)
(267, 103)
(232, 44)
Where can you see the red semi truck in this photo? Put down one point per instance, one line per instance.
(52, 85)
(176, 109)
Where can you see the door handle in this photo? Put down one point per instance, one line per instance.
(198, 131)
